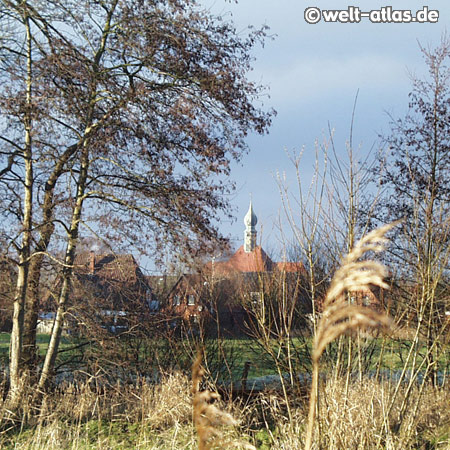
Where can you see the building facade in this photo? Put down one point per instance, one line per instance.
(224, 292)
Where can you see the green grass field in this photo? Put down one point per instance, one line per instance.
(159, 416)
(42, 341)
(233, 354)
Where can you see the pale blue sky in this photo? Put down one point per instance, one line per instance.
(314, 72)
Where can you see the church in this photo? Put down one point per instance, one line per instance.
(224, 292)
(250, 257)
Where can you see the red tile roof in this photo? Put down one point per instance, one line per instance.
(255, 261)
(241, 261)
(290, 267)
(123, 267)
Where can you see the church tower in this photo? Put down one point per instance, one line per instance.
(250, 221)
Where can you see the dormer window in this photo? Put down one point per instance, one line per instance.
(191, 300)
(176, 300)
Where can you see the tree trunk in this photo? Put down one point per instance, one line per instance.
(29, 350)
(24, 251)
(29, 354)
(52, 351)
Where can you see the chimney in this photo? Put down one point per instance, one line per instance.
(91, 262)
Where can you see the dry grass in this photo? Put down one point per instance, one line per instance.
(355, 420)
(161, 405)
(92, 416)
(339, 316)
(208, 418)
(145, 416)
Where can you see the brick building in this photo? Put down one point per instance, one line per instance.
(223, 292)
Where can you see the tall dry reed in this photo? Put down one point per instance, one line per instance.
(208, 418)
(339, 316)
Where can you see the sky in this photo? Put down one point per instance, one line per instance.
(314, 72)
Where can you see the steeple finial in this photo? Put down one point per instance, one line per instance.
(250, 221)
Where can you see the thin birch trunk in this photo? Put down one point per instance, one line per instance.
(55, 338)
(52, 351)
(29, 352)
(24, 251)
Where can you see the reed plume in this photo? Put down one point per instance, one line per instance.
(207, 417)
(339, 317)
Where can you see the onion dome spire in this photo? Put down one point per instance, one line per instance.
(250, 221)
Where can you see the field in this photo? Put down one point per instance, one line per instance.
(91, 415)
(159, 417)
(385, 354)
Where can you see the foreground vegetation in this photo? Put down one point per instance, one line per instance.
(333, 412)
(147, 416)
(381, 354)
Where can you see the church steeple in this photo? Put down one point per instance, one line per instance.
(250, 221)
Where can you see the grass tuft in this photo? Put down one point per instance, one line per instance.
(208, 418)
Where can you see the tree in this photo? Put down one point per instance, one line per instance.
(326, 215)
(140, 107)
(416, 177)
(24, 151)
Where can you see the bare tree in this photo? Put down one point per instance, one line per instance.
(145, 106)
(417, 180)
(23, 151)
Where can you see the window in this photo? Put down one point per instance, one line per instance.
(191, 300)
(176, 300)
